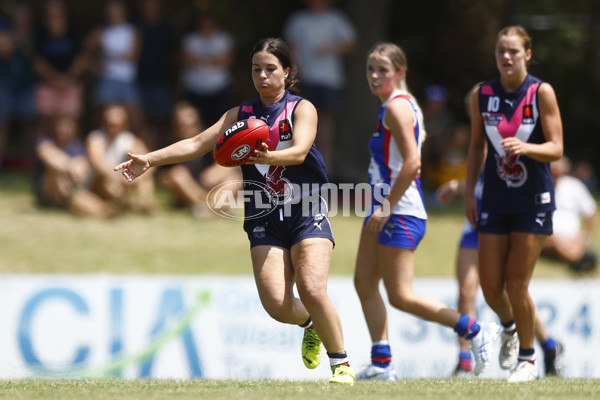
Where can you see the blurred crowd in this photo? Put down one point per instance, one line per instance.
(143, 84)
(73, 105)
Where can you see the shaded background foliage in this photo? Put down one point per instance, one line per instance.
(448, 42)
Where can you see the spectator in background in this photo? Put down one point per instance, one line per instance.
(59, 63)
(573, 220)
(207, 60)
(5, 55)
(118, 45)
(63, 174)
(190, 181)
(110, 145)
(155, 66)
(319, 36)
(439, 123)
(584, 171)
(22, 79)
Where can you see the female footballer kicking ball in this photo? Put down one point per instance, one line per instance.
(289, 244)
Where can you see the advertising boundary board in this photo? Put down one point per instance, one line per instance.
(172, 326)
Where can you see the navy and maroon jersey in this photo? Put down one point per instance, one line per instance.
(283, 183)
(513, 184)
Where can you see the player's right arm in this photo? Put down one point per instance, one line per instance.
(477, 148)
(183, 150)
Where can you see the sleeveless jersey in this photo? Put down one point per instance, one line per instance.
(386, 162)
(282, 183)
(513, 184)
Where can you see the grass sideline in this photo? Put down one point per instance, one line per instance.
(170, 241)
(434, 389)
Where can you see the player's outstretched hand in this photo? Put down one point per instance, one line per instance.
(134, 167)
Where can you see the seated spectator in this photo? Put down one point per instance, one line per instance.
(107, 147)
(189, 182)
(573, 220)
(59, 63)
(63, 174)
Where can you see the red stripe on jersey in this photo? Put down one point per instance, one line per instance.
(387, 135)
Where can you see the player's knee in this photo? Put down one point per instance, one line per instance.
(467, 293)
(516, 289)
(364, 287)
(312, 295)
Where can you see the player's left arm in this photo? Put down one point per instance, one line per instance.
(399, 119)
(305, 131)
(552, 148)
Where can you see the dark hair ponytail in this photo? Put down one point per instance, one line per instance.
(279, 49)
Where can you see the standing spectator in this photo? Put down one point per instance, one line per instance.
(63, 174)
(191, 180)
(110, 145)
(5, 55)
(118, 45)
(319, 36)
(22, 79)
(155, 67)
(573, 220)
(515, 216)
(207, 61)
(59, 63)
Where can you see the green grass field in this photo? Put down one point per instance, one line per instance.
(447, 389)
(170, 241)
(37, 240)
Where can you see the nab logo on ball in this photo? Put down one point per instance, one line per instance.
(239, 141)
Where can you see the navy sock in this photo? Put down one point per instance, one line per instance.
(307, 323)
(338, 359)
(509, 327)
(527, 355)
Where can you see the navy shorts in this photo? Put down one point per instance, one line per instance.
(403, 231)
(288, 224)
(502, 224)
